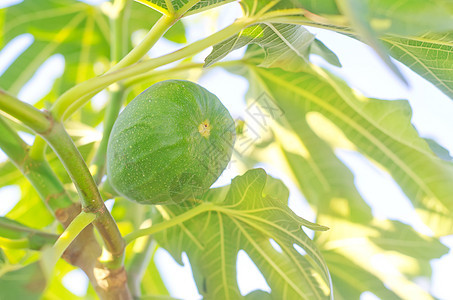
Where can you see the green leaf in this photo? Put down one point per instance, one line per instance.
(424, 248)
(318, 48)
(357, 11)
(409, 17)
(258, 295)
(9, 174)
(351, 280)
(328, 7)
(439, 150)
(286, 46)
(323, 179)
(152, 282)
(169, 7)
(247, 218)
(398, 27)
(78, 31)
(144, 17)
(24, 283)
(430, 55)
(406, 18)
(329, 186)
(361, 250)
(55, 288)
(30, 210)
(379, 129)
(3, 258)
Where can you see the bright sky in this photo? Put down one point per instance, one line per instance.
(432, 112)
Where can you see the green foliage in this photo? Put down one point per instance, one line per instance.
(174, 6)
(74, 30)
(317, 114)
(144, 18)
(27, 282)
(286, 46)
(246, 215)
(428, 55)
(408, 18)
(379, 129)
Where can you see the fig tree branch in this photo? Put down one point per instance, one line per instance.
(38, 149)
(181, 67)
(118, 48)
(26, 113)
(119, 38)
(77, 96)
(156, 73)
(63, 146)
(156, 32)
(91, 200)
(38, 172)
(85, 252)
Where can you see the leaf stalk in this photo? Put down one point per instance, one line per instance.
(205, 206)
(71, 232)
(79, 95)
(24, 112)
(15, 232)
(156, 32)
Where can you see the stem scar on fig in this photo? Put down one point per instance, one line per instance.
(204, 128)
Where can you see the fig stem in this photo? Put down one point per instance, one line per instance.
(181, 67)
(38, 172)
(51, 256)
(24, 112)
(90, 197)
(156, 32)
(66, 109)
(80, 94)
(155, 73)
(38, 149)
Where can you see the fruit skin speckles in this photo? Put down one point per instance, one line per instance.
(169, 144)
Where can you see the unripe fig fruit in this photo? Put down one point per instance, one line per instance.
(169, 144)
